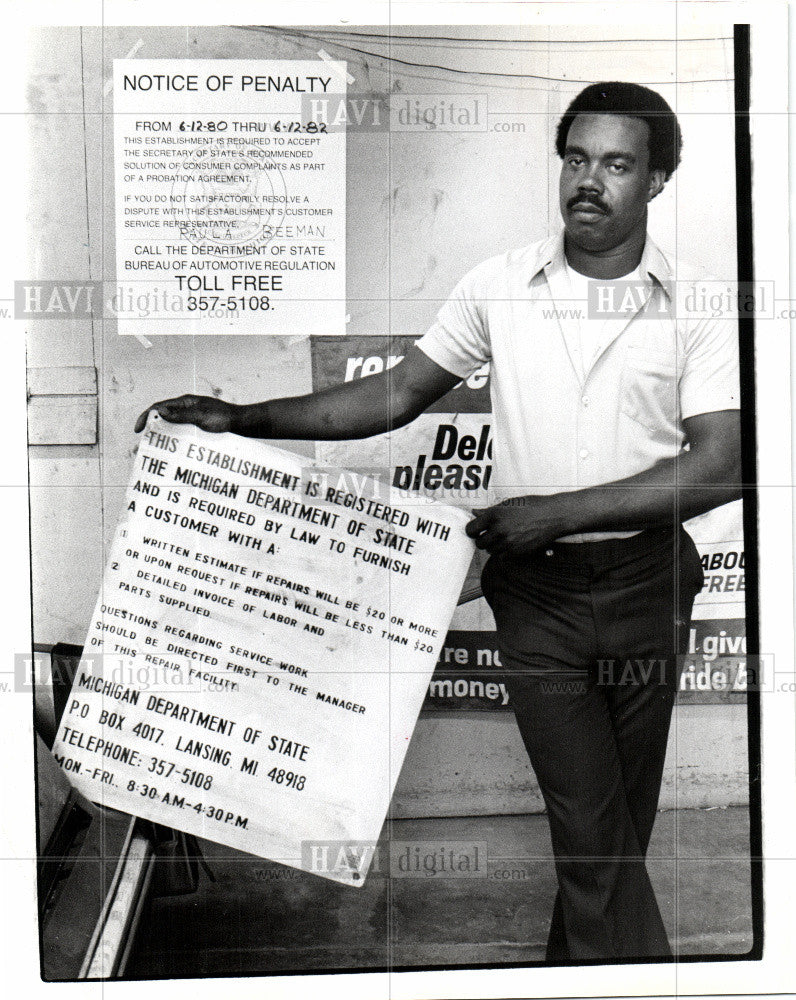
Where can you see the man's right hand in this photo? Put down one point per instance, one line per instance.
(207, 412)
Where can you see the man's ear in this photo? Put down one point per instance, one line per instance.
(657, 181)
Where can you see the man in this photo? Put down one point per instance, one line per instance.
(609, 432)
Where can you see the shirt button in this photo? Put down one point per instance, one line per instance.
(548, 552)
(583, 453)
(584, 400)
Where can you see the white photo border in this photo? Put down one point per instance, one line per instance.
(773, 973)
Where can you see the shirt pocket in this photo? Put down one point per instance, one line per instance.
(649, 394)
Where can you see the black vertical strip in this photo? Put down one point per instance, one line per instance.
(746, 329)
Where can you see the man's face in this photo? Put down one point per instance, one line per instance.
(605, 180)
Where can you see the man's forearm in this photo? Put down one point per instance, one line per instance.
(358, 409)
(351, 410)
(676, 489)
(704, 476)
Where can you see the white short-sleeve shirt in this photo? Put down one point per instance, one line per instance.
(565, 423)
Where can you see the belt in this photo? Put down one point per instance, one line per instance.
(645, 541)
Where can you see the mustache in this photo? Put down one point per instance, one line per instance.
(588, 198)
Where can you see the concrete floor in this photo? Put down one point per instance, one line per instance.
(263, 917)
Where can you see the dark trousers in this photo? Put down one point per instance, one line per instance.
(589, 635)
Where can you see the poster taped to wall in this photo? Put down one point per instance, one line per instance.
(230, 198)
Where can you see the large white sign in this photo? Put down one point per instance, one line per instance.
(230, 198)
(260, 648)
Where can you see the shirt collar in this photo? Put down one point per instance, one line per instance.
(550, 255)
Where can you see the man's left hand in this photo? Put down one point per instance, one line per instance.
(518, 526)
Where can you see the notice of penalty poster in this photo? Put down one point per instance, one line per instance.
(230, 197)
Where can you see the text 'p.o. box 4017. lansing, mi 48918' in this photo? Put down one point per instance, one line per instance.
(261, 646)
